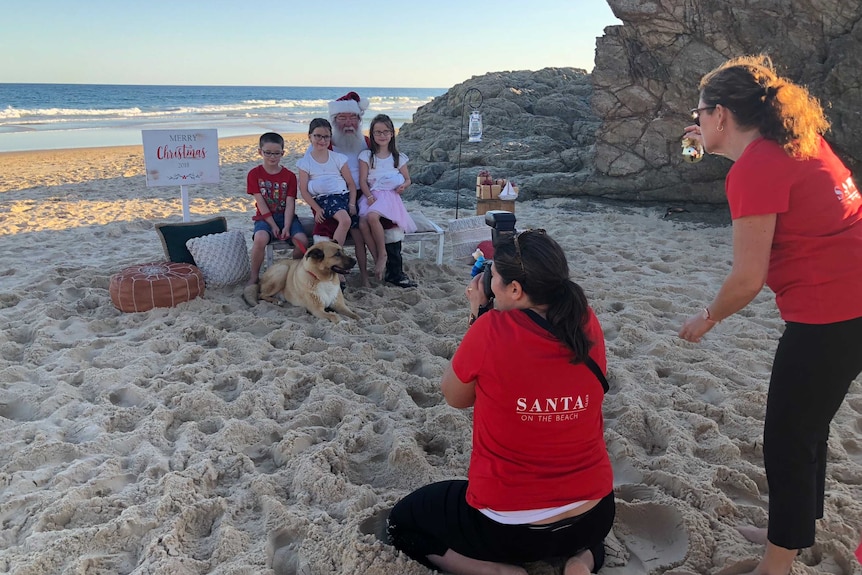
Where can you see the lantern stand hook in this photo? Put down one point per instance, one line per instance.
(474, 106)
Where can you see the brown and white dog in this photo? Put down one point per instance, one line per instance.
(311, 282)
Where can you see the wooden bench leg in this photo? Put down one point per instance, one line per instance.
(269, 251)
(439, 249)
(268, 255)
(427, 237)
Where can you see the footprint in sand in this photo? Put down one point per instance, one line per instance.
(654, 535)
(284, 553)
(739, 567)
(633, 492)
(227, 387)
(740, 488)
(424, 397)
(376, 525)
(822, 558)
(853, 447)
(18, 409)
(127, 396)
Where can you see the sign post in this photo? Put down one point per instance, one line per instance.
(181, 157)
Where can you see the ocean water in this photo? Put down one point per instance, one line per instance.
(55, 116)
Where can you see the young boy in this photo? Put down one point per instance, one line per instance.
(274, 190)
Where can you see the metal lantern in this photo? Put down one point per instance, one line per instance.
(472, 97)
(474, 130)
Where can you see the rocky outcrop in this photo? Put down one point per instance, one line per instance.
(647, 70)
(615, 133)
(539, 130)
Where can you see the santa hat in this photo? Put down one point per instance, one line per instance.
(350, 103)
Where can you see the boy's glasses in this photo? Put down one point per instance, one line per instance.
(518, 246)
(271, 154)
(321, 137)
(695, 113)
(382, 132)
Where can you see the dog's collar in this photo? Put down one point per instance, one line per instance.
(312, 275)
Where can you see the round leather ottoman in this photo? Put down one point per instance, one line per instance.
(156, 284)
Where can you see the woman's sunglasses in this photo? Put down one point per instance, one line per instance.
(518, 246)
(695, 113)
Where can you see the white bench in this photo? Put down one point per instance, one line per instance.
(428, 231)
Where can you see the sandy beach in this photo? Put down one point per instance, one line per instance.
(212, 437)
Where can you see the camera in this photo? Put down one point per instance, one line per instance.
(502, 227)
(502, 224)
(486, 279)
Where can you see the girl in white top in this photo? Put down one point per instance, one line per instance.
(326, 185)
(383, 176)
(325, 182)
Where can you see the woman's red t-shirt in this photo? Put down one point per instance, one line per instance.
(815, 268)
(538, 432)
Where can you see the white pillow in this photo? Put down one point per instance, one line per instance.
(423, 224)
(222, 258)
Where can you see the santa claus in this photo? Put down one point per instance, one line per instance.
(345, 114)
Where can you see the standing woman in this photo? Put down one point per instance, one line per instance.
(797, 226)
(540, 483)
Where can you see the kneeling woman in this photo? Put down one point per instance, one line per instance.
(540, 484)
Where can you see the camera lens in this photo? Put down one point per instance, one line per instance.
(486, 280)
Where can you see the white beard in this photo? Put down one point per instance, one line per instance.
(348, 144)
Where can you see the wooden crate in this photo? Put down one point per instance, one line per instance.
(483, 206)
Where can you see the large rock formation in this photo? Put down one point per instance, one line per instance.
(539, 131)
(615, 133)
(647, 70)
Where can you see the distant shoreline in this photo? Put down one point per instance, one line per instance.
(38, 168)
(346, 88)
(64, 116)
(131, 148)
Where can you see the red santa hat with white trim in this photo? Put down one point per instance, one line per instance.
(350, 103)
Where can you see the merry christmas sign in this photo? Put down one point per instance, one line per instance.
(181, 157)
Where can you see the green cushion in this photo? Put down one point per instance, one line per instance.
(175, 236)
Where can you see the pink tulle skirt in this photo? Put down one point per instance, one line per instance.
(389, 205)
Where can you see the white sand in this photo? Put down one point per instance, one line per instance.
(215, 438)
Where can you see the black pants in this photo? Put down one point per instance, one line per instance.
(436, 518)
(813, 369)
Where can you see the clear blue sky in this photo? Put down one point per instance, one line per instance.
(436, 43)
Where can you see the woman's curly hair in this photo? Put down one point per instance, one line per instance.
(783, 111)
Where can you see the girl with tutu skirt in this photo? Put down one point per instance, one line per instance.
(383, 177)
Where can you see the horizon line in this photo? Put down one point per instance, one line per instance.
(218, 85)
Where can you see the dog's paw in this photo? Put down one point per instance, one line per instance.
(250, 294)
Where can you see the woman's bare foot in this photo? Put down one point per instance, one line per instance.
(380, 266)
(753, 534)
(776, 561)
(453, 562)
(363, 279)
(580, 564)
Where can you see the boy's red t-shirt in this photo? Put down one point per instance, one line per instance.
(815, 267)
(275, 189)
(538, 431)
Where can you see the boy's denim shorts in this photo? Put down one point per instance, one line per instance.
(261, 225)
